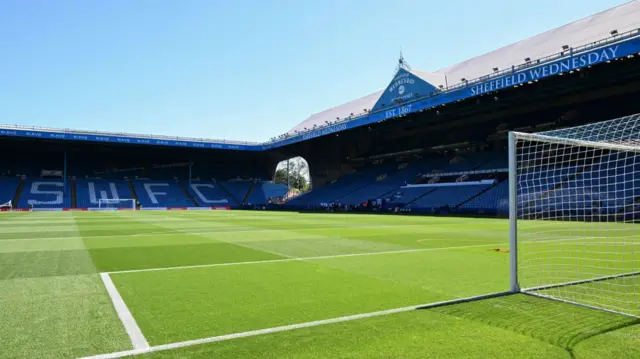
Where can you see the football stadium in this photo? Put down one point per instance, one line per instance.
(484, 210)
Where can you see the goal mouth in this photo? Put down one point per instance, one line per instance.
(574, 203)
(114, 204)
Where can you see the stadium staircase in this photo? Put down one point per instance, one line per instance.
(74, 203)
(482, 192)
(447, 196)
(188, 195)
(421, 196)
(18, 193)
(246, 198)
(133, 190)
(495, 200)
(228, 194)
(208, 193)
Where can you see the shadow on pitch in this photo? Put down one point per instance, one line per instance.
(559, 324)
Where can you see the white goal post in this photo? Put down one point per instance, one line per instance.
(7, 206)
(113, 204)
(574, 211)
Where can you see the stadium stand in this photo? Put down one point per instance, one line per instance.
(263, 191)
(8, 187)
(448, 196)
(237, 190)
(343, 187)
(407, 195)
(89, 192)
(45, 193)
(154, 193)
(209, 194)
(493, 201)
(384, 184)
(607, 187)
(389, 182)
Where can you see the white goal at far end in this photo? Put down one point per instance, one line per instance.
(107, 204)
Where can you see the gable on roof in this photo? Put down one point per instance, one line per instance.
(404, 87)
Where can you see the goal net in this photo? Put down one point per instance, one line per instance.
(114, 204)
(574, 210)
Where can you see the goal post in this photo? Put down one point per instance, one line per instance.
(574, 208)
(114, 204)
(7, 206)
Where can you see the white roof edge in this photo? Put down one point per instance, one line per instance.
(623, 18)
(122, 134)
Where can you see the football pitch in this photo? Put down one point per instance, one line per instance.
(241, 284)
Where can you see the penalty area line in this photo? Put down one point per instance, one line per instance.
(138, 340)
(285, 328)
(266, 261)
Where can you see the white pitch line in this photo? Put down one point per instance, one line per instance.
(285, 328)
(133, 330)
(169, 232)
(327, 257)
(252, 333)
(300, 258)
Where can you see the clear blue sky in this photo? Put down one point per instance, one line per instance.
(242, 69)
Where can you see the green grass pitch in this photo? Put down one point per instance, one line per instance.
(191, 275)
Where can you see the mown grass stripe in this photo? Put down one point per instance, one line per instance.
(301, 258)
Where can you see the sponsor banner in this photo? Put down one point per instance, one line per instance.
(71, 136)
(101, 209)
(51, 173)
(46, 210)
(198, 208)
(451, 184)
(14, 210)
(153, 208)
(75, 209)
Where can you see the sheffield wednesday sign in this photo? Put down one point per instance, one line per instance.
(562, 66)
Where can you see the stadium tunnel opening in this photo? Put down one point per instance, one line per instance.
(294, 173)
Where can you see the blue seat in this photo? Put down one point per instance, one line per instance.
(45, 193)
(209, 194)
(89, 192)
(161, 194)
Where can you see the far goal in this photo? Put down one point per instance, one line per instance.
(114, 204)
(574, 213)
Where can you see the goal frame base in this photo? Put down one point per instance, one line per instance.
(113, 200)
(547, 297)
